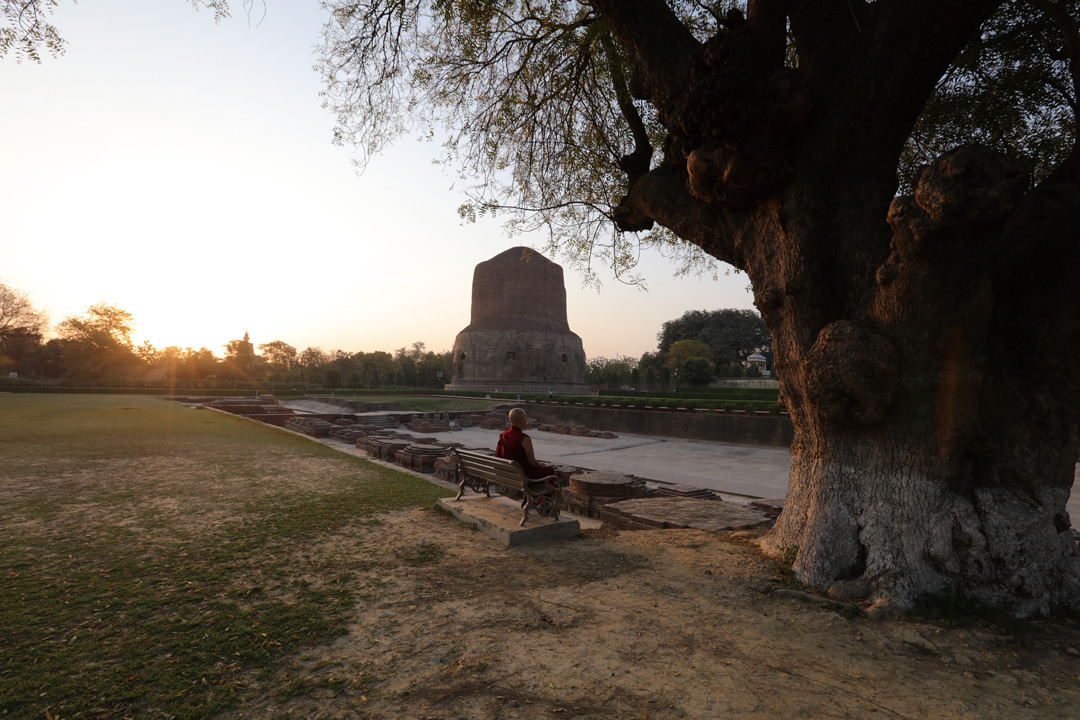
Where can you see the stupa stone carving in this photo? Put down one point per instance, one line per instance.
(518, 339)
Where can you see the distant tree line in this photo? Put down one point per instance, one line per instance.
(96, 349)
(695, 350)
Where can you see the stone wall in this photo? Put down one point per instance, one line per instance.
(529, 357)
(770, 430)
(513, 387)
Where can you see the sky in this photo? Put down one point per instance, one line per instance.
(184, 171)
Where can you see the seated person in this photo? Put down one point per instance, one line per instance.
(514, 444)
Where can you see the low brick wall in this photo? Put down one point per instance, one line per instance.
(768, 430)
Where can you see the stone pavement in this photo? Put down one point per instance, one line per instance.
(667, 512)
(735, 470)
(739, 472)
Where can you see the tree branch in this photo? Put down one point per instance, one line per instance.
(636, 164)
(1069, 169)
(663, 196)
(876, 65)
(659, 45)
(768, 23)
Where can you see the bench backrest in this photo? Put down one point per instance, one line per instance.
(492, 469)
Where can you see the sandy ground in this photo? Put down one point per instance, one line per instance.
(649, 624)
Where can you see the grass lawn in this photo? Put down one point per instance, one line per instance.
(161, 561)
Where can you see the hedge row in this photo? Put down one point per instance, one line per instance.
(654, 402)
(718, 393)
(343, 392)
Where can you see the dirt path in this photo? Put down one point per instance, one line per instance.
(657, 624)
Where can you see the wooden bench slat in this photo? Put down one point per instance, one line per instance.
(494, 477)
(480, 472)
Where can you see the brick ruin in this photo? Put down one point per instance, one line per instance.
(622, 502)
(518, 339)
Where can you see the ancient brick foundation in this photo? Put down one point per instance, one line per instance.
(518, 339)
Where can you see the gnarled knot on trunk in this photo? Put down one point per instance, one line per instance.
(793, 103)
(853, 373)
(734, 125)
(770, 298)
(629, 218)
(971, 184)
(731, 175)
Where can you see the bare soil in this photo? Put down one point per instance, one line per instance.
(650, 625)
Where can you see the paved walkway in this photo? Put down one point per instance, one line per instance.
(737, 470)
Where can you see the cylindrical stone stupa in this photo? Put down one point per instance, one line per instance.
(518, 339)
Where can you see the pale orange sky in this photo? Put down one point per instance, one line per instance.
(183, 171)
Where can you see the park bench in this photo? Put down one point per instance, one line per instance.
(479, 472)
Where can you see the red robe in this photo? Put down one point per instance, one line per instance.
(510, 447)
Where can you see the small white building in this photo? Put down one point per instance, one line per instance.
(761, 363)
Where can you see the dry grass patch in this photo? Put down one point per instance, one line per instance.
(160, 561)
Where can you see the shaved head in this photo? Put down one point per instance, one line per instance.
(518, 418)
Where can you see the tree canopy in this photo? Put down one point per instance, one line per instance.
(547, 111)
(1013, 88)
(21, 326)
(544, 108)
(18, 316)
(27, 26)
(731, 335)
(99, 340)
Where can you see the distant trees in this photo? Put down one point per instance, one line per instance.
(702, 344)
(696, 371)
(281, 360)
(21, 329)
(97, 344)
(612, 374)
(184, 367)
(731, 335)
(420, 367)
(376, 368)
(18, 315)
(652, 370)
(681, 353)
(312, 361)
(241, 362)
(96, 347)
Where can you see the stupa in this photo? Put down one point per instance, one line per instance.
(518, 339)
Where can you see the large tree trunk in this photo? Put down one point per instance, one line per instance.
(884, 513)
(925, 344)
(933, 452)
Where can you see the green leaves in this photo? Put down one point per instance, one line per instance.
(525, 96)
(1011, 89)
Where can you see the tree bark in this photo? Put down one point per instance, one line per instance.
(928, 456)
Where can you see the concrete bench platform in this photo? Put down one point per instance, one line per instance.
(498, 516)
